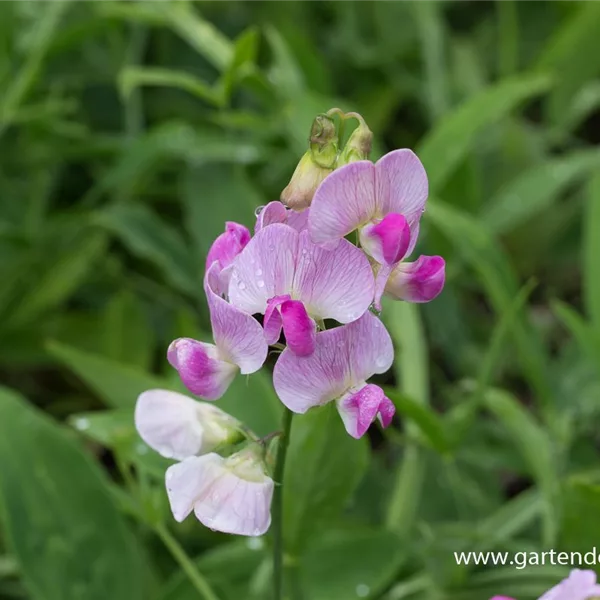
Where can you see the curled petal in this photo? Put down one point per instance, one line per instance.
(333, 284)
(201, 368)
(274, 212)
(579, 585)
(420, 281)
(300, 330)
(228, 245)
(359, 408)
(177, 426)
(388, 240)
(222, 493)
(343, 202)
(238, 336)
(343, 358)
(272, 322)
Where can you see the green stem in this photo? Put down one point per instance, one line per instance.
(185, 563)
(277, 509)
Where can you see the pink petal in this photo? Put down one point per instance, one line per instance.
(333, 284)
(300, 330)
(344, 357)
(238, 336)
(402, 185)
(272, 322)
(501, 598)
(579, 585)
(343, 202)
(420, 281)
(274, 212)
(264, 269)
(298, 220)
(201, 368)
(228, 245)
(387, 240)
(381, 279)
(359, 408)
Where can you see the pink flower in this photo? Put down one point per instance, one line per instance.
(343, 359)
(208, 369)
(294, 282)
(579, 585)
(276, 212)
(384, 201)
(232, 495)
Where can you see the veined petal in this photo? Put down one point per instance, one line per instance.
(300, 330)
(359, 408)
(272, 323)
(228, 245)
(387, 240)
(344, 357)
(201, 368)
(264, 269)
(298, 220)
(402, 185)
(333, 284)
(238, 336)
(343, 202)
(381, 278)
(420, 281)
(274, 212)
(177, 426)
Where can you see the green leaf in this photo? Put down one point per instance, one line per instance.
(537, 189)
(591, 253)
(580, 527)
(585, 336)
(449, 142)
(285, 73)
(116, 384)
(62, 524)
(147, 236)
(323, 468)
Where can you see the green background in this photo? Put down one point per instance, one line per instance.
(130, 131)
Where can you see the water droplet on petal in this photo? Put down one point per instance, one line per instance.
(258, 272)
(260, 283)
(256, 532)
(242, 285)
(362, 590)
(258, 210)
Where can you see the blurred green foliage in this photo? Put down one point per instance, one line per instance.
(130, 131)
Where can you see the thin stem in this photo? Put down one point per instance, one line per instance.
(180, 555)
(277, 510)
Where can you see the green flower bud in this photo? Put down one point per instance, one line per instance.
(358, 146)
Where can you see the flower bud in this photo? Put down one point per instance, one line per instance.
(358, 146)
(314, 166)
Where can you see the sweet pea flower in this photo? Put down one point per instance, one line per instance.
(232, 495)
(293, 282)
(343, 359)
(276, 212)
(178, 427)
(384, 201)
(208, 369)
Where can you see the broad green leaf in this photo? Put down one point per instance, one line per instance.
(537, 189)
(116, 384)
(323, 467)
(61, 522)
(536, 448)
(591, 253)
(573, 56)
(453, 137)
(147, 236)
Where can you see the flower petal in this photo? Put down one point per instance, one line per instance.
(228, 245)
(274, 212)
(343, 357)
(300, 330)
(201, 367)
(388, 240)
(579, 585)
(333, 284)
(359, 408)
(420, 281)
(402, 185)
(386, 413)
(343, 202)
(298, 220)
(168, 422)
(272, 322)
(264, 269)
(238, 336)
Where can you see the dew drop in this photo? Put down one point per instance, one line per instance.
(258, 272)
(362, 590)
(260, 283)
(242, 285)
(258, 210)
(82, 424)
(256, 532)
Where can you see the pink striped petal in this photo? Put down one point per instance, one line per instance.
(298, 220)
(264, 269)
(344, 201)
(276, 212)
(238, 336)
(343, 358)
(359, 408)
(228, 245)
(420, 281)
(272, 323)
(387, 240)
(300, 330)
(333, 284)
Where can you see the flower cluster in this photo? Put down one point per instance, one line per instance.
(297, 271)
(580, 585)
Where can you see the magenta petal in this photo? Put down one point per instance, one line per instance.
(420, 281)
(238, 336)
(388, 240)
(359, 409)
(501, 598)
(274, 212)
(402, 185)
(272, 322)
(300, 330)
(333, 284)
(228, 245)
(200, 367)
(344, 357)
(343, 202)
(387, 410)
